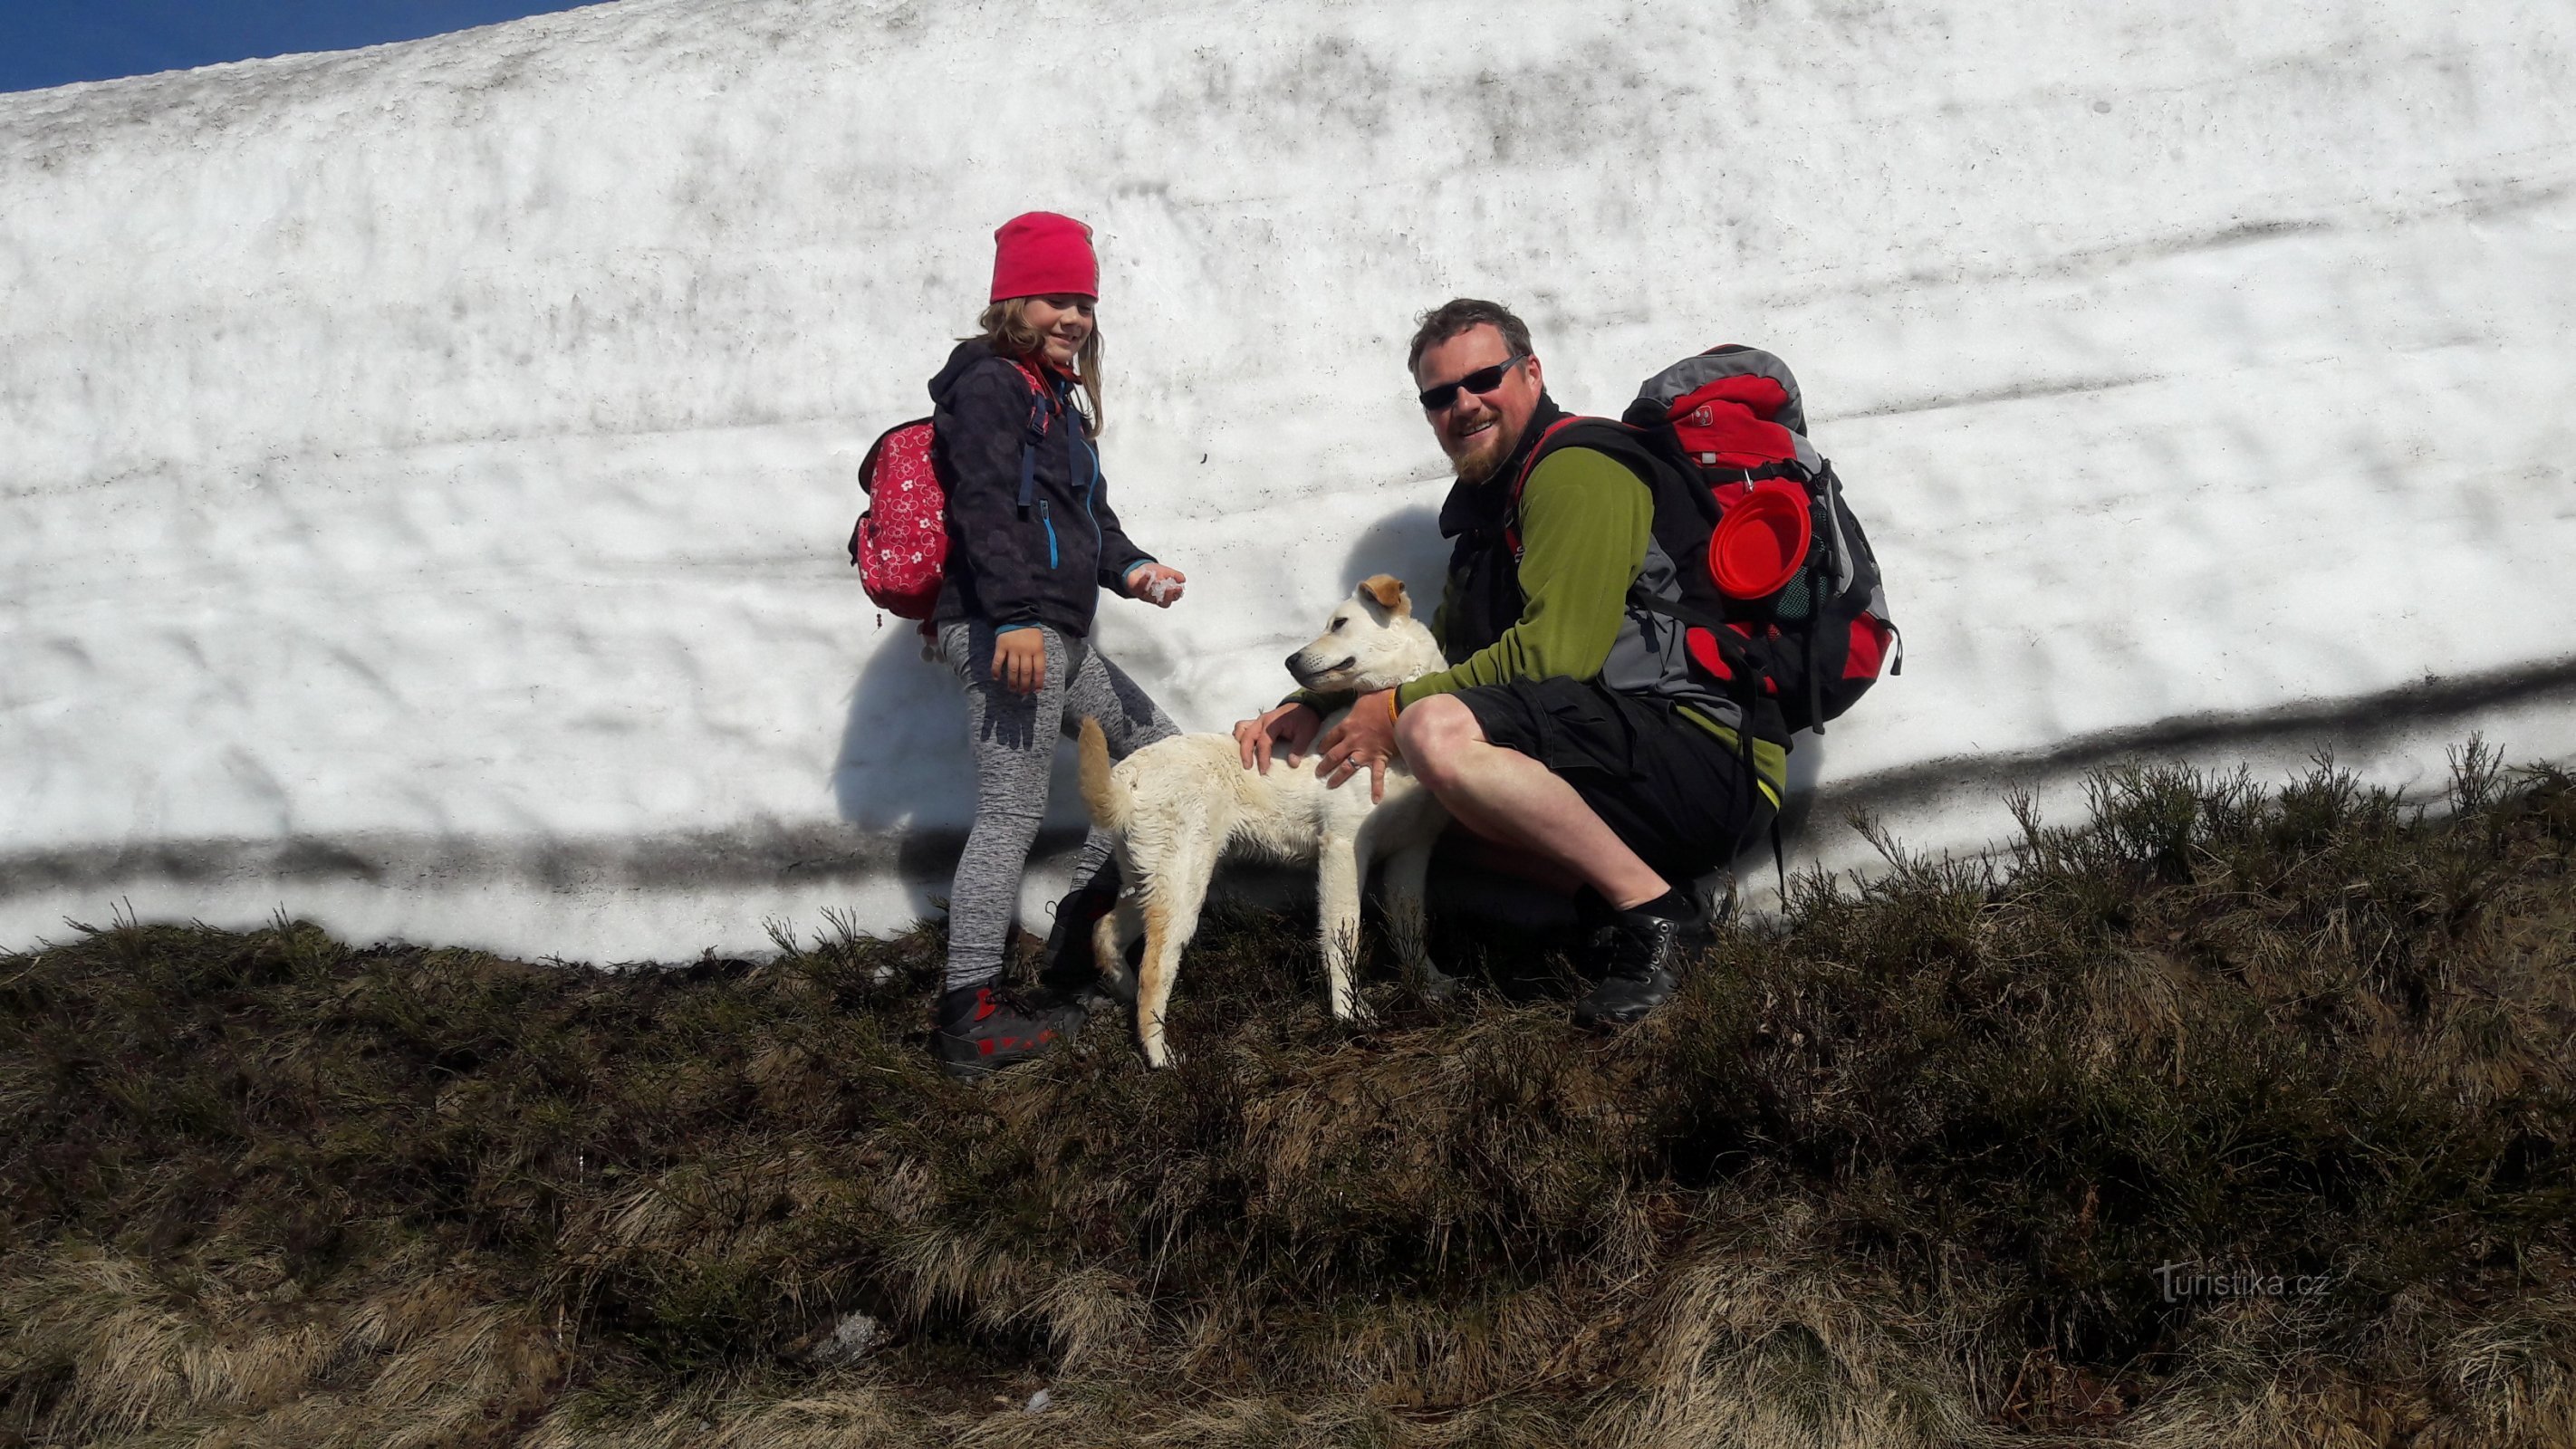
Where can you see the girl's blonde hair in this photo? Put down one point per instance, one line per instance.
(1004, 327)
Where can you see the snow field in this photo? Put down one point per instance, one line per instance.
(423, 469)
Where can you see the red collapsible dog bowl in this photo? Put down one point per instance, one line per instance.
(1761, 541)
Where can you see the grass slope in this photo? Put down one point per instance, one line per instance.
(2226, 1118)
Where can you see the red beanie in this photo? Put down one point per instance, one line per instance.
(1041, 254)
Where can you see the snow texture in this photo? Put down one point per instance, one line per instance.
(424, 470)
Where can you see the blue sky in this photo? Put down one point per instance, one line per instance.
(56, 42)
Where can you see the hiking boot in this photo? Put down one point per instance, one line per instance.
(1067, 971)
(1635, 950)
(979, 1029)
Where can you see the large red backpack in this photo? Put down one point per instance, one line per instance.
(1781, 598)
(900, 545)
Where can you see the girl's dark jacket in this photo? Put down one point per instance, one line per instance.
(1008, 565)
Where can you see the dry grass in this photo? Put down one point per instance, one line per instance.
(1901, 1172)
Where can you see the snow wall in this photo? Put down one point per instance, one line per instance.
(423, 470)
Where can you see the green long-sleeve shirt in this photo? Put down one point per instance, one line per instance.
(1585, 522)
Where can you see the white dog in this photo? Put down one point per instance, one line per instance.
(1180, 804)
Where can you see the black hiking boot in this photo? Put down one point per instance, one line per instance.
(1067, 972)
(1636, 951)
(980, 1029)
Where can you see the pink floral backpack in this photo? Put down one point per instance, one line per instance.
(901, 542)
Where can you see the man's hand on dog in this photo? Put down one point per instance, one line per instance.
(1364, 739)
(1019, 660)
(1157, 584)
(1287, 730)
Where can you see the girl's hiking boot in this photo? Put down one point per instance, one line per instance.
(1636, 951)
(1068, 974)
(980, 1029)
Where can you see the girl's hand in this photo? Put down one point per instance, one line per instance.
(1019, 660)
(1157, 584)
(1286, 731)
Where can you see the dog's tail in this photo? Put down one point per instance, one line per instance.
(1107, 802)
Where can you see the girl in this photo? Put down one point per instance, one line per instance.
(1032, 541)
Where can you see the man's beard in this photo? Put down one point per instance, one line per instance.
(1485, 462)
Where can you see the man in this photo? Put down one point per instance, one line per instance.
(1569, 729)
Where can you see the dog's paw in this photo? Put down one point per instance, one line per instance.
(1118, 983)
(1356, 1013)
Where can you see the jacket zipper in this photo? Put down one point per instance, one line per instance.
(1048, 518)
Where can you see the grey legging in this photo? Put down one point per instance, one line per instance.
(1013, 737)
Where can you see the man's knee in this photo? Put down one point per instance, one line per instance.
(1433, 734)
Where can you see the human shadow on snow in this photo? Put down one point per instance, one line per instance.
(903, 774)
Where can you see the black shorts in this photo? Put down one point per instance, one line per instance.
(1680, 797)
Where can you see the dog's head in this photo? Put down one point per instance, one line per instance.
(1372, 642)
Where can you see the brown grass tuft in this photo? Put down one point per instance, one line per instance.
(1916, 1167)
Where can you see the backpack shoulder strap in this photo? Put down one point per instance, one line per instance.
(1043, 402)
(1042, 410)
(1604, 435)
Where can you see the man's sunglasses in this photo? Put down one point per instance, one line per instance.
(1480, 382)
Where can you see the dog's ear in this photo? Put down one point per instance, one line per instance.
(1388, 591)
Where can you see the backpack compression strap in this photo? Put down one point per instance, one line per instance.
(1042, 409)
(1745, 688)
